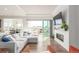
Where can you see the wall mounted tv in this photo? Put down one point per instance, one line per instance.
(58, 19)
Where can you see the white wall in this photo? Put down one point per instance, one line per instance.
(65, 14)
(74, 26)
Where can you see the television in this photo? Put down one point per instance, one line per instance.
(58, 19)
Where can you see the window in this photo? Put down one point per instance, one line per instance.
(34, 23)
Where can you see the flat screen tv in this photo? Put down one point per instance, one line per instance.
(58, 19)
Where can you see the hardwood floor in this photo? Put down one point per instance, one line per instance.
(38, 47)
(56, 47)
(30, 48)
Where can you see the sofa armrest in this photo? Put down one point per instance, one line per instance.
(10, 45)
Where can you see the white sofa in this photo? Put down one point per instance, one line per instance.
(20, 42)
(17, 43)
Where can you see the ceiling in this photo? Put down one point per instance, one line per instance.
(26, 10)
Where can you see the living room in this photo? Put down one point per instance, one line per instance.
(26, 26)
(38, 28)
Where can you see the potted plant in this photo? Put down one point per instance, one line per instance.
(64, 26)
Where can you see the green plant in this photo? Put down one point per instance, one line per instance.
(64, 26)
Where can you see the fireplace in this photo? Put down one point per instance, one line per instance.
(60, 37)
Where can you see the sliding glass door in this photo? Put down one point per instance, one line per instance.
(46, 28)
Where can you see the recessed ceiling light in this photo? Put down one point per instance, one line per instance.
(5, 9)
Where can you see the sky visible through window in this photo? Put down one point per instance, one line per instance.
(34, 23)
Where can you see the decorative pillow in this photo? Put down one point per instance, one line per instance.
(6, 38)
